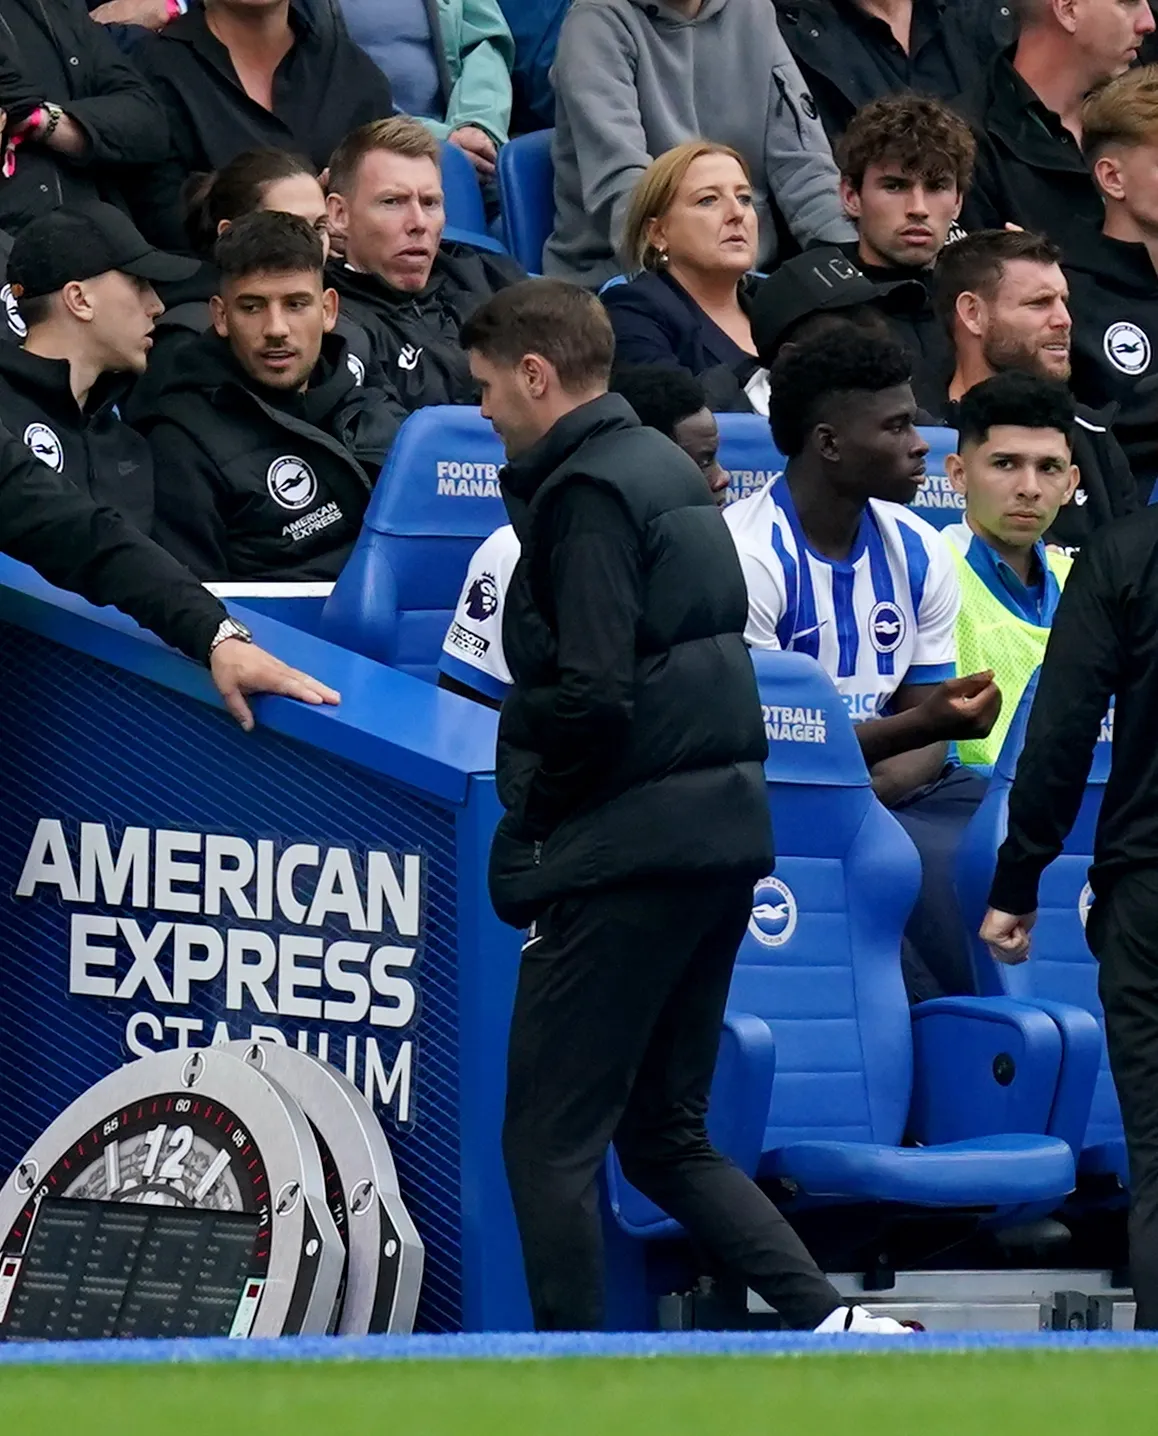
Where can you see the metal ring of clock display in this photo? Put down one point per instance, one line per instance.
(195, 1128)
(385, 1252)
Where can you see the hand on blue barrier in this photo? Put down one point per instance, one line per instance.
(1006, 935)
(240, 668)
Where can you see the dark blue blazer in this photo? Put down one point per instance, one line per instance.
(658, 322)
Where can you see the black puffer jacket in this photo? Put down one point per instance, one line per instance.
(255, 484)
(677, 785)
(414, 337)
(93, 448)
(51, 50)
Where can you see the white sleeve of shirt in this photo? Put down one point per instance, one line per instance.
(935, 648)
(767, 600)
(472, 651)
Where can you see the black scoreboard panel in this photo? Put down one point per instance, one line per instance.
(94, 1269)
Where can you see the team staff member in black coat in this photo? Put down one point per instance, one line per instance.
(850, 55)
(265, 445)
(630, 767)
(1003, 299)
(1026, 113)
(408, 290)
(1113, 272)
(77, 544)
(84, 282)
(1103, 645)
(83, 113)
(234, 75)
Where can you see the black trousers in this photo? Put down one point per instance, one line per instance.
(1122, 932)
(614, 1037)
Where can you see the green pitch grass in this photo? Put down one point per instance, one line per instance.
(978, 1394)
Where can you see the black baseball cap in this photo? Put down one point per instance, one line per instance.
(822, 279)
(80, 243)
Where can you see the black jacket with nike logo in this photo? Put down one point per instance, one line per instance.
(254, 483)
(414, 337)
(93, 447)
(1114, 303)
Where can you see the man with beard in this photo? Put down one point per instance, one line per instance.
(1002, 297)
(265, 443)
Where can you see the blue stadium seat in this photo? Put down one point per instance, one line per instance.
(856, 1070)
(1060, 975)
(463, 199)
(436, 500)
(527, 196)
(751, 458)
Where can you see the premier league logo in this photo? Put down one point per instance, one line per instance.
(482, 598)
(1127, 348)
(1085, 902)
(773, 919)
(886, 627)
(291, 482)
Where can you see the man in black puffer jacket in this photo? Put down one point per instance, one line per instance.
(630, 765)
(265, 442)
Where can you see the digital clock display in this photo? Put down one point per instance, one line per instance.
(95, 1269)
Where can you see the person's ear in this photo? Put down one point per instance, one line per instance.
(223, 225)
(1108, 174)
(970, 312)
(77, 301)
(850, 197)
(955, 473)
(1072, 486)
(217, 314)
(338, 214)
(537, 374)
(827, 443)
(329, 309)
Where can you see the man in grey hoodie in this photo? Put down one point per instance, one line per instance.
(633, 78)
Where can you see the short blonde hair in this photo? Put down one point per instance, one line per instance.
(398, 135)
(655, 193)
(1122, 112)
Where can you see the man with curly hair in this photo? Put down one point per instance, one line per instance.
(906, 163)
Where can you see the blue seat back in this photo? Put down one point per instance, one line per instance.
(436, 500)
(820, 961)
(527, 196)
(1060, 967)
(462, 197)
(751, 459)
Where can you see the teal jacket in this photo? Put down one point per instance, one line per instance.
(477, 55)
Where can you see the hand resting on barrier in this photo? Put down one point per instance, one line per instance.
(239, 669)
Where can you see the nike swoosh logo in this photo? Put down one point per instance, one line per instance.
(530, 942)
(806, 632)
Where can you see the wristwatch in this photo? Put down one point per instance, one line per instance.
(229, 628)
(55, 115)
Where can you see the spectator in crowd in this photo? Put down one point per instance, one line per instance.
(234, 76)
(811, 295)
(852, 52)
(1113, 273)
(691, 232)
(1027, 113)
(84, 281)
(905, 167)
(534, 26)
(448, 63)
(633, 725)
(95, 551)
(256, 180)
(634, 79)
(78, 115)
(1003, 299)
(837, 567)
(408, 290)
(264, 444)
(1014, 467)
(473, 662)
